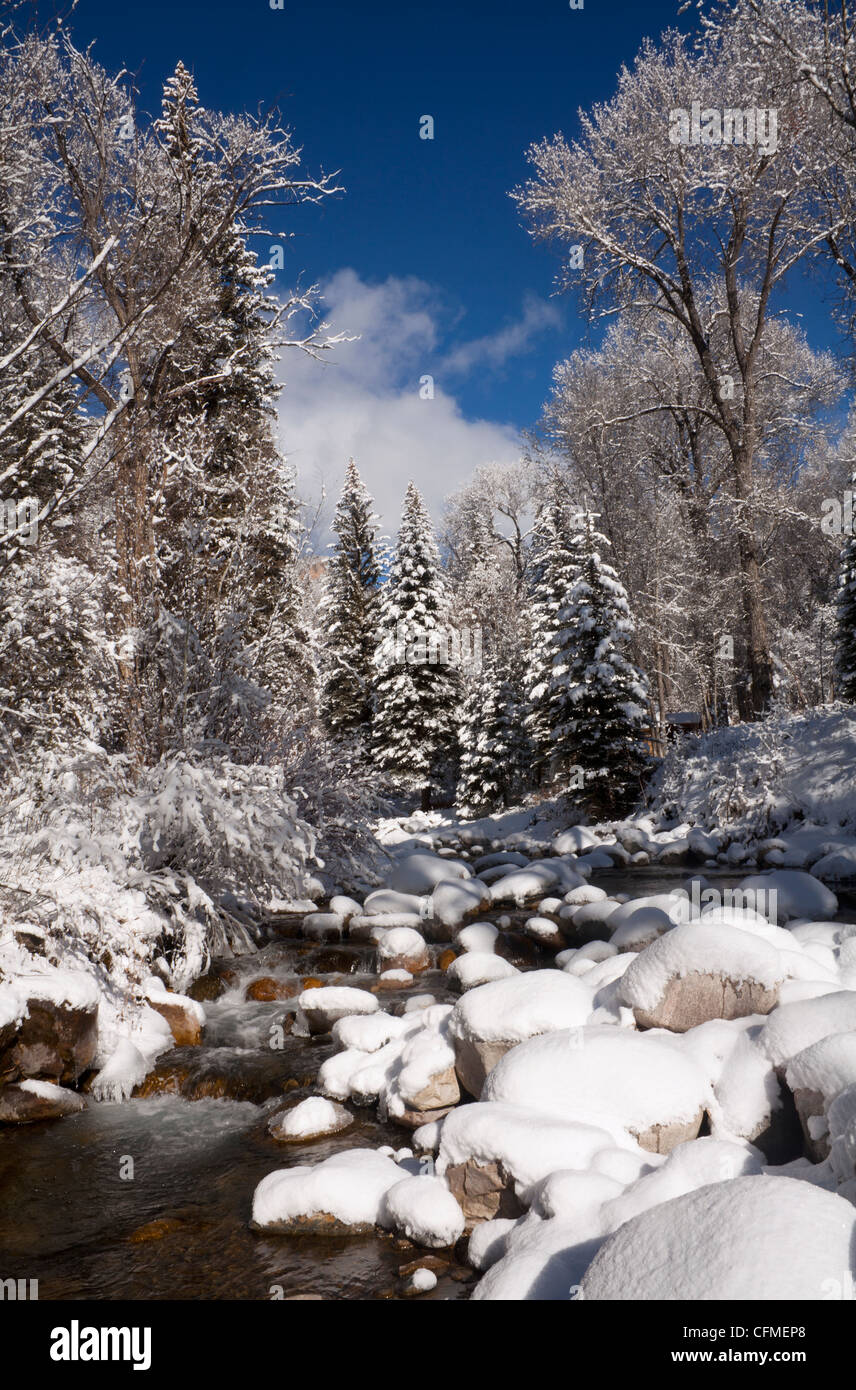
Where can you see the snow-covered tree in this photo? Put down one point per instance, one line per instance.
(707, 229)
(351, 601)
(598, 694)
(555, 568)
(845, 655)
(492, 741)
(416, 682)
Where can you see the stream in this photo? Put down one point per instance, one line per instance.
(151, 1199)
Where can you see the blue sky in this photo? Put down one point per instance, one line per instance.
(423, 255)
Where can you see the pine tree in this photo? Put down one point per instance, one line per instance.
(351, 603)
(490, 742)
(598, 694)
(555, 570)
(845, 654)
(416, 685)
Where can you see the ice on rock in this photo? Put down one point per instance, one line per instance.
(344, 1192)
(767, 1238)
(124, 1070)
(422, 1209)
(640, 1084)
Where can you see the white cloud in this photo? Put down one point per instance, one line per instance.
(496, 348)
(363, 399)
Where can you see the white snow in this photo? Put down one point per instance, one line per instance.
(536, 1001)
(350, 1186)
(696, 948)
(755, 1238)
(422, 1209)
(602, 1075)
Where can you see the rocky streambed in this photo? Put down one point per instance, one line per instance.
(153, 1198)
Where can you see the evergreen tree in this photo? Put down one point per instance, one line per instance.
(351, 603)
(490, 742)
(416, 684)
(845, 654)
(555, 570)
(597, 693)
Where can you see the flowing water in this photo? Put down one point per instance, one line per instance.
(151, 1199)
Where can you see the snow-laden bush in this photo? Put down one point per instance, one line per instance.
(761, 777)
(171, 852)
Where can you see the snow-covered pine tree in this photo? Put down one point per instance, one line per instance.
(597, 693)
(490, 742)
(351, 603)
(555, 569)
(845, 645)
(416, 683)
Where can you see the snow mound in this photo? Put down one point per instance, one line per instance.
(797, 894)
(610, 1077)
(756, 1238)
(348, 1189)
(791, 1028)
(419, 873)
(476, 968)
(422, 1209)
(735, 958)
(311, 1119)
(520, 1007)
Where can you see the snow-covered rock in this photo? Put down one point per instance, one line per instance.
(422, 1209)
(476, 968)
(419, 873)
(792, 1027)
(796, 894)
(756, 1238)
(489, 1021)
(311, 1119)
(342, 1195)
(697, 972)
(452, 903)
(319, 1009)
(402, 948)
(623, 1081)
